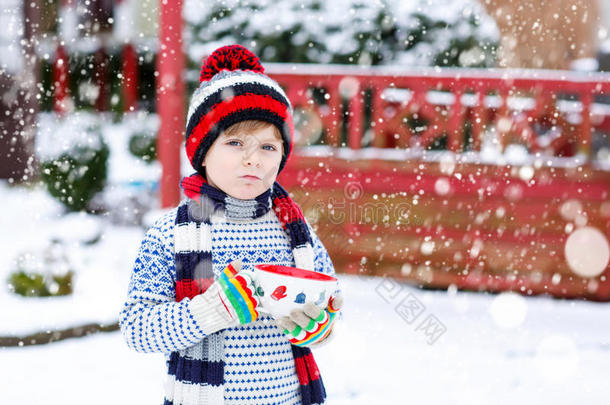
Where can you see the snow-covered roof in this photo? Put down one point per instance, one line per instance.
(437, 72)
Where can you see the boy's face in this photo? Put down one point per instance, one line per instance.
(230, 158)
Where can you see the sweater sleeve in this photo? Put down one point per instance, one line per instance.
(151, 320)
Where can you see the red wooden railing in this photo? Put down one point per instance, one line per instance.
(389, 206)
(511, 102)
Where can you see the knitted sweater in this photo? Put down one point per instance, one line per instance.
(259, 365)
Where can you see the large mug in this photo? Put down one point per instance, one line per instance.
(282, 288)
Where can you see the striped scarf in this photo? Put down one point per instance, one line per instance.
(197, 373)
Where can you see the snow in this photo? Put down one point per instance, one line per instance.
(11, 20)
(99, 369)
(101, 269)
(124, 25)
(68, 23)
(57, 135)
(124, 166)
(556, 353)
(399, 70)
(336, 27)
(490, 154)
(585, 65)
(60, 135)
(76, 227)
(508, 310)
(590, 262)
(503, 348)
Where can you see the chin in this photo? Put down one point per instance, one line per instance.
(248, 195)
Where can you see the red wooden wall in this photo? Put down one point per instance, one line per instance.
(437, 218)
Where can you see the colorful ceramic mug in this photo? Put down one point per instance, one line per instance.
(282, 288)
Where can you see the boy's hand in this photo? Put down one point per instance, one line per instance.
(237, 293)
(312, 324)
(229, 301)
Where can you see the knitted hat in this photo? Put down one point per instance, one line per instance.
(233, 88)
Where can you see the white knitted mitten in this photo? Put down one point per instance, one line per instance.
(229, 301)
(311, 325)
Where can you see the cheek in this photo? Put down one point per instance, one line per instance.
(222, 158)
(277, 157)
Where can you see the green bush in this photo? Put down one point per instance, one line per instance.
(38, 285)
(144, 146)
(44, 272)
(387, 32)
(75, 174)
(74, 179)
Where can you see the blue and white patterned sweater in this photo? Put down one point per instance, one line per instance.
(259, 365)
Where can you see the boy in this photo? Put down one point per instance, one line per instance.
(191, 294)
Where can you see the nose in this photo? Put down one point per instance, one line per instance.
(251, 159)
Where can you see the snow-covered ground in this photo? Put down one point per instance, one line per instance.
(30, 219)
(503, 348)
(496, 349)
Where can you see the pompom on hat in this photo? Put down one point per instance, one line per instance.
(234, 88)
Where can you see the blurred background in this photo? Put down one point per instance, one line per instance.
(453, 157)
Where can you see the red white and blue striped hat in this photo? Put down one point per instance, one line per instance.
(233, 88)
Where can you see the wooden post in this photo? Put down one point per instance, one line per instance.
(377, 115)
(26, 166)
(356, 110)
(455, 136)
(60, 81)
(102, 62)
(170, 100)
(584, 145)
(130, 78)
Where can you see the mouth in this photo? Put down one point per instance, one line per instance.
(250, 177)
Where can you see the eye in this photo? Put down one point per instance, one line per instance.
(271, 146)
(230, 142)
